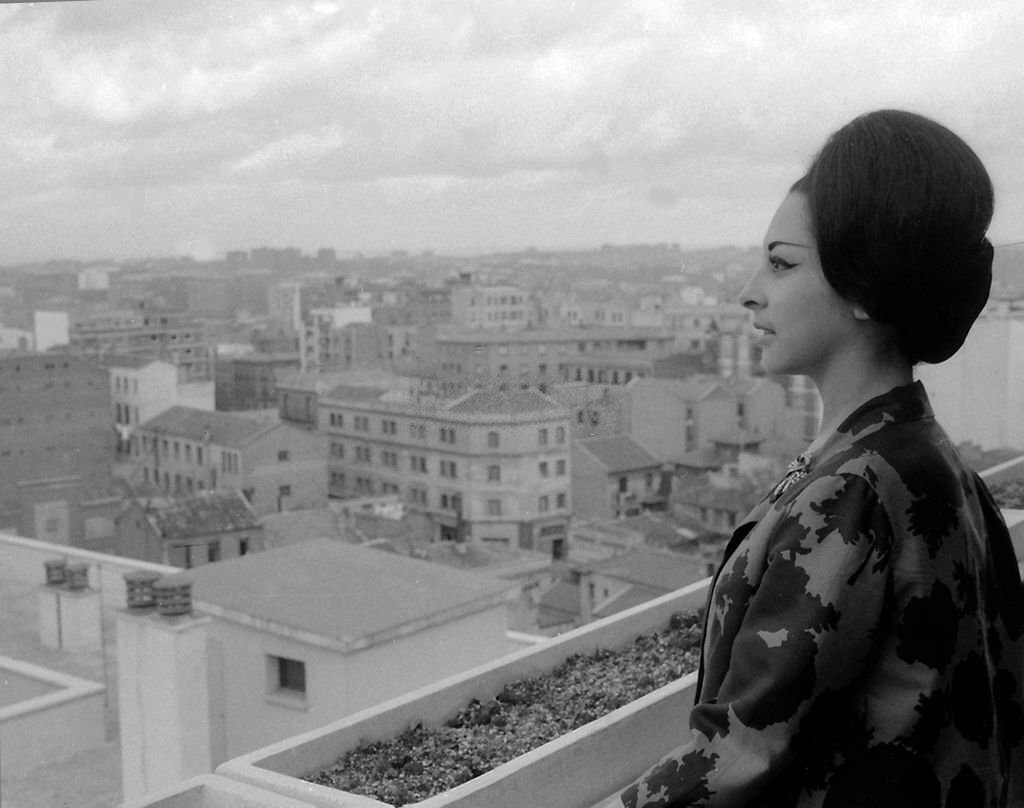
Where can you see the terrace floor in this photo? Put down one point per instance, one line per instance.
(90, 779)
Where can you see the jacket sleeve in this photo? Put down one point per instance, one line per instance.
(789, 631)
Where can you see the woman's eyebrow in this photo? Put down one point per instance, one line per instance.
(775, 244)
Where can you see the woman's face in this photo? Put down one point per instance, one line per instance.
(806, 324)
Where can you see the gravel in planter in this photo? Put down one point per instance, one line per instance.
(424, 761)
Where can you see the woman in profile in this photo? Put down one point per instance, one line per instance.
(863, 643)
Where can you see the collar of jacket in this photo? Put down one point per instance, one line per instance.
(902, 404)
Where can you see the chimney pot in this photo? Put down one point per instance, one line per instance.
(76, 575)
(139, 592)
(55, 571)
(173, 598)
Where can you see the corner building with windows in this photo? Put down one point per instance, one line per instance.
(490, 466)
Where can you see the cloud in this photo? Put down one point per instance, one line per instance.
(654, 104)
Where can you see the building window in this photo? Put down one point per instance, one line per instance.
(494, 474)
(560, 434)
(418, 464)
(492, 440)
(542, 436)
(560, 467)
(560, 500)
(543, 468)
(543, 504)
(494, 507)
(337, 449)
(199, 455)
(448, 469)
(213, 551)
(388, 427)
(243, 546)
(287, 676)
(283, 456)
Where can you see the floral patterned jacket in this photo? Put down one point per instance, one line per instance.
(863, 640)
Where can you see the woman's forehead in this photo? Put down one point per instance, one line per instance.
(791, 223)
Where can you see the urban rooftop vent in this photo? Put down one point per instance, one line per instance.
(139, 592)
(76, 575)
(173, 598)
(55, 571)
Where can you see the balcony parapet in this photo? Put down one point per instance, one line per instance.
(612, 749)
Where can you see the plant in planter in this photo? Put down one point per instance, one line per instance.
(612, 748)
(527, 713)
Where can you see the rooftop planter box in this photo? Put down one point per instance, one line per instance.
(211, 791)
(611, 750)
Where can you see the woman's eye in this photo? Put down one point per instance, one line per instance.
(779, 264)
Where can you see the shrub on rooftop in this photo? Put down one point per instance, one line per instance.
(424, 761)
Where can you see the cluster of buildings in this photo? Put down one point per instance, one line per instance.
(518, 451)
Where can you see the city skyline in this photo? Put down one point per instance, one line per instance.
(193, 128)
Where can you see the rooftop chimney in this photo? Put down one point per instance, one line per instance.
(173, 598)
(55, 568)
(139, 592)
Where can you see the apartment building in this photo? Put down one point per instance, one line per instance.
(978, 394)
(339, 338)
(534, 357)
(622, 369)
(492, 466)
(674, 417)
(140, 388)
(414, 305)
(173, 336)
(249, 382)
(276, 466)
(492, 306)
(615, 477)
(188, 531)
(55, 421)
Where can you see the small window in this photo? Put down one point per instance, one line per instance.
(492, 440)
(542, 437)
(287, 676)
(494, 474)
(283, 456)
(543, 468)
(494, 507)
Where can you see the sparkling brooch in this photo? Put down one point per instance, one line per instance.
(796, 471)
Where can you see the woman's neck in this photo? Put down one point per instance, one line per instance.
(844, 389)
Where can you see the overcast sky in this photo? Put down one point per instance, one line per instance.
(153, 127)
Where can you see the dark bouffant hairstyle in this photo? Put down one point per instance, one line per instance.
(899, 206)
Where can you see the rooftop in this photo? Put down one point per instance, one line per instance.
(336, 591)
(501, 402)
(618, 453)
(655, 569)
(200, 515)
(225, 429)
(482, 337)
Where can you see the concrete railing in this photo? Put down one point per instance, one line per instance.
(611, 749)
(23, 560)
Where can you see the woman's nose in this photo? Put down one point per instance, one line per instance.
(750, 294)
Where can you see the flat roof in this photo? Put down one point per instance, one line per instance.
(352, 596)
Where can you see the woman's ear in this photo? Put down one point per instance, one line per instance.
(859, 313)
